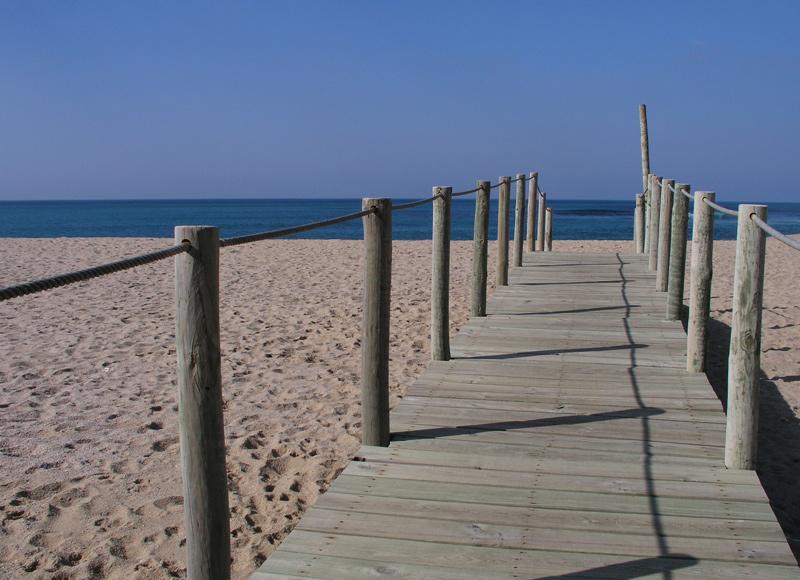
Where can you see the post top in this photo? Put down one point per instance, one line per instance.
(534, 174)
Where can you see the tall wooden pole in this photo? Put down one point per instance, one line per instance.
(519, 220)
(645, 144)
(480, 250)
(647, 216)
(375, 331)
(548, 230)
(638, 225)
(741, 433)
(531, 232)
(440, 275)
(664, 238)
(502, 231)
(700, 283)
(201, 424)
(540, 222)
(677, 253)
(655, 216)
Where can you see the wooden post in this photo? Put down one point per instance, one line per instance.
(741, 432)
(502, 231)
(519, 220)
(700, 283)
(548, 230)
(375, 332)
(480, 250)
(200, 420)
(645, 144)
(664, 238)
(540, 222)
(677, 252)
(531, 232)
(647, 217)
(655, 216)
(638, 224)
(440, 275)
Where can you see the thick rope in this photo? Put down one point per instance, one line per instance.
(82, 275)
(456, 194)
(272, 234)
(719, 208)
(419, 202)
(775, 233)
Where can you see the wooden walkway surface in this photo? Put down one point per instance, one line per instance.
(564, 440)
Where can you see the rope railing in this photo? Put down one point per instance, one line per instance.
(467, 192)
(197, 333)
(36, 286)
(775, 233)
(417, 203)
(272, 234)
(660, 233)
(719, 208)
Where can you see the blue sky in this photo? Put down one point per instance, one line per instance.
(354, 98)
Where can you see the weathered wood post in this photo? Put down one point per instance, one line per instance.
(531, 232)
(700, 284)
(502, 231)
(638, 224)
(480, 250)
(375, 332)
(519, 220)
(664, 237)
(440, 275)
(645, 144)
(741, 432)
(647, 216)
(201, 424)
(677, 252)
(540, 222)
(548, 230)
(655, 216)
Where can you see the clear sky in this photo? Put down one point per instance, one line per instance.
(297, 98)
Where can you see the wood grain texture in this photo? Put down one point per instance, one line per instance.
(540, 222)
(638, 224)
(519, 220)
(480, 250)
(502, 231)
(701, 270)
(677, 253)
(530, 233)
(645, 144)
(664, 236)
(564, 438)
(201, 424)
(440, 274)
(375, 326)
(655, 220)
(548, 230)
(741, 441)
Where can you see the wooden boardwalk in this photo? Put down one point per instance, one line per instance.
(564, 440)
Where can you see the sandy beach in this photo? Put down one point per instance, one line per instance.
(89, 467)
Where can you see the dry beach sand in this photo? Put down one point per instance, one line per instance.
(89, 468)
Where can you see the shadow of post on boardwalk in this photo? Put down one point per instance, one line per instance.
(778, 436)
(634, 568)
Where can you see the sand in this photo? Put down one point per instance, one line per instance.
(89, 468)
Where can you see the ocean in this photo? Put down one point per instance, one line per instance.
(572, 219)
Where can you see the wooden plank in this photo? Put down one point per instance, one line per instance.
(468, 531)
(564, 439)
(521, 563)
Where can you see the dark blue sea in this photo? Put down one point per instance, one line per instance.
(572, 219)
